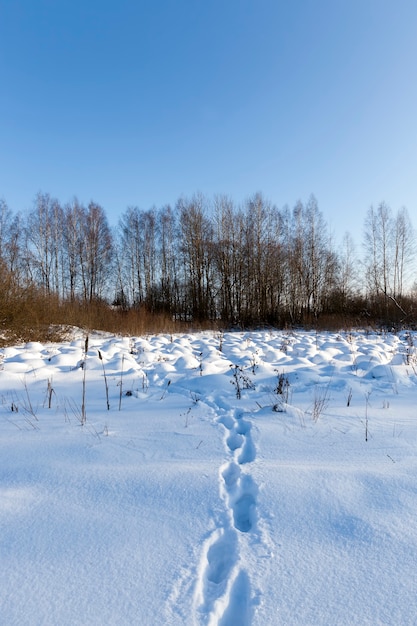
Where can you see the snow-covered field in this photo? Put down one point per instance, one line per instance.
(185, 504)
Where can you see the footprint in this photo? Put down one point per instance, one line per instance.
(216, 566)
(239, 609)
(221, 557)
(234, 441)
(243, 427)
(248, 453)
(244, 505)
(227, 421)
(243, 513)
(231, 475)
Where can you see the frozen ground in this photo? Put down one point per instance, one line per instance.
(185, 504)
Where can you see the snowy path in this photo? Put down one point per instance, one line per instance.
(223, 592)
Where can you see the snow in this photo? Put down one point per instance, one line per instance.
(193, 506)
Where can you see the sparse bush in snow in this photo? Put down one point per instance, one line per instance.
(240, 380)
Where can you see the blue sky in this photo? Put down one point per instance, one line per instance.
(132, 102)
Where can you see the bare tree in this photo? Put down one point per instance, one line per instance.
(389, 253)
(228, 256)
(168, 252)
(319, 259)
(298, 276)
(347, 280)
(196, 235)
(255, 247)
(95, 252)
(149, 256)
(10, 275)
(5, 223)
(10, 240)
(377, 241)
(403, 251)
(311, 263)
(74, 223)
(44, 242)
(131, 239)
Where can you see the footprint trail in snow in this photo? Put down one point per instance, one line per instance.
(223, 594)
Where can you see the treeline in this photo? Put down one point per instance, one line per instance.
(204, 261)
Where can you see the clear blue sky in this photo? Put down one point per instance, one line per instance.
(134, 102)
